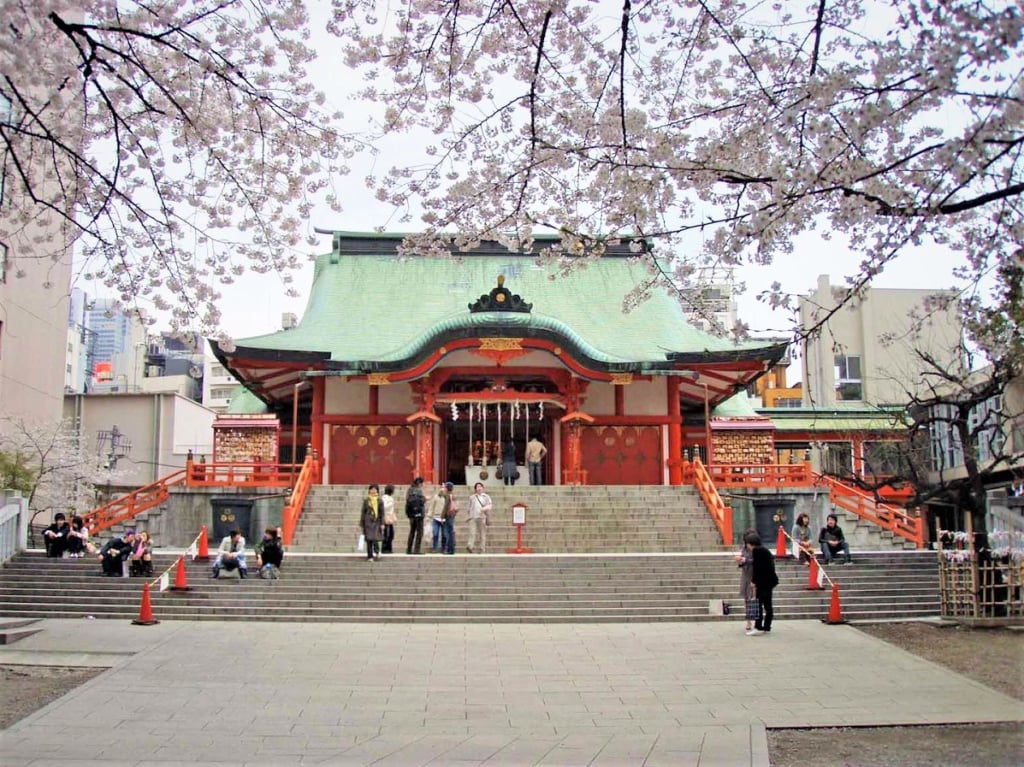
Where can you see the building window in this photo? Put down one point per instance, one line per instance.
(849, 386)
(789, 402)
(217, 371)
(221, 393)
(3, 263)
(884, 459)
(985, 424)
(837, 459)
(946, 450)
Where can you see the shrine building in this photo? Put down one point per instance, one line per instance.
(424, 366)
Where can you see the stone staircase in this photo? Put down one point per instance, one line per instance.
(572, 519)
(478, 589)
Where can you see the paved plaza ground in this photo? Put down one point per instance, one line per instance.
(410, 694)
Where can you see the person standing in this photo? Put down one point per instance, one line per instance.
(438, 513)
(535, 452)
(508, 463)
(415, 506)
(745, 562)
(389, 519)
(765, 580)
(448, 544)
(480, 506)
(371, 522)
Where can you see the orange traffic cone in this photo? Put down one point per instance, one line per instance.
(145, 609)
(204, 545)
(835, 612)
(180, 583)
(815, 576)
(780, 545)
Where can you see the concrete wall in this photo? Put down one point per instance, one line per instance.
(177, 522)
(161, 427)
(878, 330)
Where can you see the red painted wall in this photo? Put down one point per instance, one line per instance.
(622, 455)
(361, 454)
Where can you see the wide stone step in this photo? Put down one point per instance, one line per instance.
(563, 588)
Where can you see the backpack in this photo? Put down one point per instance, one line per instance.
(414, 504)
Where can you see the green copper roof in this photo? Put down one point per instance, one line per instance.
(368, 309)
(808, 419)
(244, 402)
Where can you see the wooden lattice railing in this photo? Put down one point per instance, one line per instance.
(866, 506)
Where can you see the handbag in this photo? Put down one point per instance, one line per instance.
(361, 543)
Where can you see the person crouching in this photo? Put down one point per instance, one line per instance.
(115, 553)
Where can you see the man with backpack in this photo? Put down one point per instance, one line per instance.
(415, 506)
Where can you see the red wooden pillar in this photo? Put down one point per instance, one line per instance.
(675, 433)
(572, 471)
(317, 423)
(424, 421)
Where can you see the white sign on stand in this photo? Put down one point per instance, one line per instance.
(518, 514)
(519, 520)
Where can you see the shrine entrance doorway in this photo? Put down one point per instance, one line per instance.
(479, 416)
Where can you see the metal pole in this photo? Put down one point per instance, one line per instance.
(295, 424)
(707, 426)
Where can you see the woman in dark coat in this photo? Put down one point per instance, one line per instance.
(371, 522)
(764, 579)
(508, 463)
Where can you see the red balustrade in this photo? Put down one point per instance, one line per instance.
(866, 506)
(720, 512)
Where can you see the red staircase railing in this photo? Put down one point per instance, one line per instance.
(236, 474)
(195, 474)
(865, 506)
(721, 513)
(290, 516)
(128, 506)
(762, 475)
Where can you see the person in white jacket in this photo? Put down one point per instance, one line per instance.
(231, 555)
(480, 506)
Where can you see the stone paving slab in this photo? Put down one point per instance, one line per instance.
(404, 695)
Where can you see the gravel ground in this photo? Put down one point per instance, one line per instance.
(994, 657)
(26, 689)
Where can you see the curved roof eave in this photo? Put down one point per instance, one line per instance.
(498, 324)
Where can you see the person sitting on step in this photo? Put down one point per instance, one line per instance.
(231, 555)
(115, 553)
(270, 553)
(832, 541)
(55, 536)
(141, 559)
